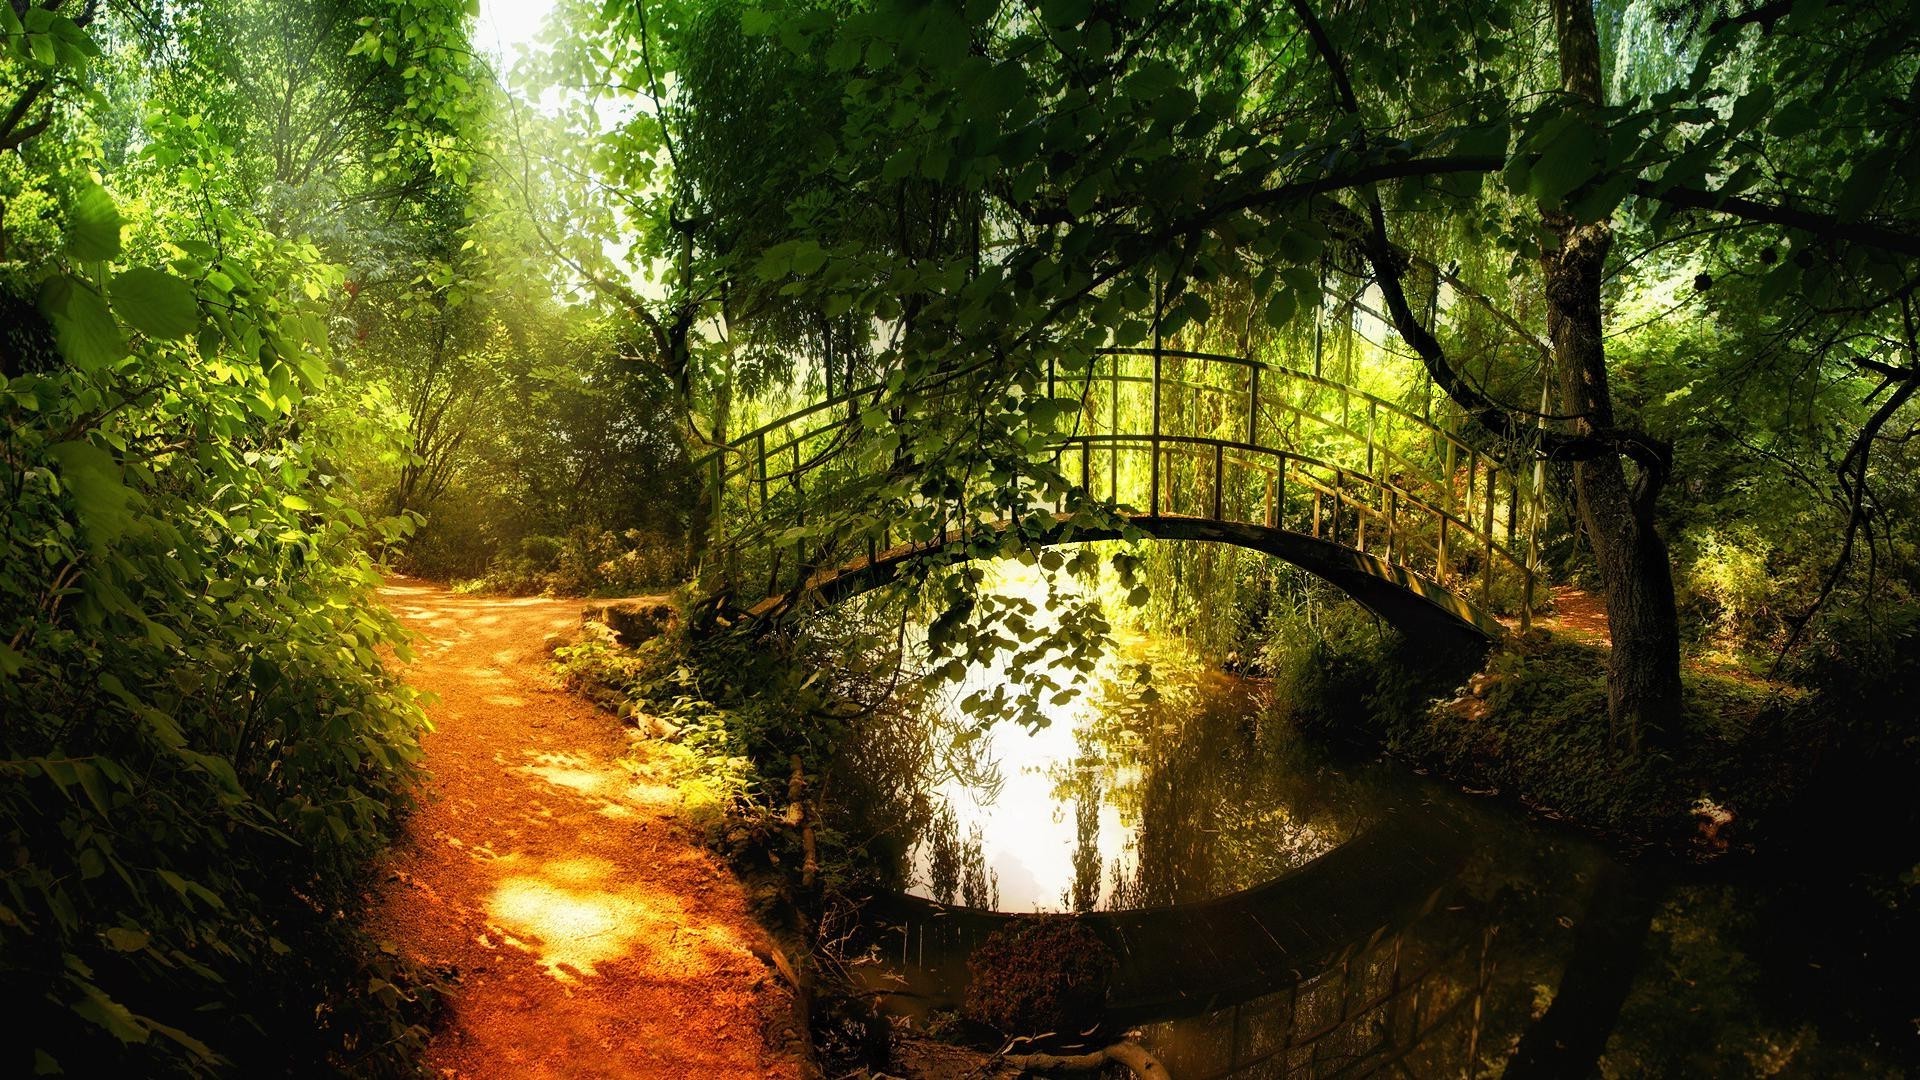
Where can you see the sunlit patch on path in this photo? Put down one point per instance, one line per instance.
(590, 935)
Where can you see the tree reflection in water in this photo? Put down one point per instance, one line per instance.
(1541, 952)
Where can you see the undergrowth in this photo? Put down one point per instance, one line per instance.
(1531, 723)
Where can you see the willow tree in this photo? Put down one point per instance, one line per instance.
(1105, 159)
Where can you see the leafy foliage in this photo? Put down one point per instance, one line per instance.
(203, 747)
(960, 203)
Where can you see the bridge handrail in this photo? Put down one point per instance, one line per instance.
(1146, 441)
(1127, 438)
(1384, 448)
(1303, 376)
(874, 389)
(1439, 497)
(741, 443)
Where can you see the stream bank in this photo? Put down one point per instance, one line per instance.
(1203, 791)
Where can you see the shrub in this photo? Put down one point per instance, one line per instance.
(201, 746)
(586, 561)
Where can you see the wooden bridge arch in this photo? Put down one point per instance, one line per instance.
(1426, 529)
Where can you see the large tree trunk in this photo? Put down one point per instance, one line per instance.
(1643, 673)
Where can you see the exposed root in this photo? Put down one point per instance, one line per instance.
(1130, 1054)
(799, 816)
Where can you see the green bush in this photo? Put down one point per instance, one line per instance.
(584, 562)
(1532, 723)
(201, 746)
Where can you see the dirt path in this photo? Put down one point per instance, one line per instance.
(1580, 614)
(591, 934)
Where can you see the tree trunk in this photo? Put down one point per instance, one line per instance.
(1643, 672)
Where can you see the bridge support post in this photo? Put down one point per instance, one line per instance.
(1219, 479)
(1253, 406)
(1373, 415)
(1393, 524)
(1486, 542)
(1153, 502)
(761, 456)
(1339, 500)
(799, 518)
(1113, 428)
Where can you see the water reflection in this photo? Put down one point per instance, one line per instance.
(1162, 782)
(1533, 952)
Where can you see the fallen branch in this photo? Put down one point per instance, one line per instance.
(1130, 1054)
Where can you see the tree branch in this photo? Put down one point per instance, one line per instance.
(1825, 226)
(1652, 454)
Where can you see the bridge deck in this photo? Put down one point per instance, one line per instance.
(1396, 593)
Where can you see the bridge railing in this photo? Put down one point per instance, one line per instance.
(1180, 432)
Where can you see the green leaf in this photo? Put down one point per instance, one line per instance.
(109, 1014)
(155, 303)
(1864, 184)
(93, 225)
(92, 478)
(1794, 118)
(808, 258)
(1281, 306)
(88, 335)
(1300, 245)
(1568, 162)
(1064, 13)
(123, 939)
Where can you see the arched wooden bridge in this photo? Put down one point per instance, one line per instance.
(1425, 528)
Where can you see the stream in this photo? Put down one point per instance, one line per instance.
(1290, 908)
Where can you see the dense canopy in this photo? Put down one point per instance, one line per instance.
(297, 294)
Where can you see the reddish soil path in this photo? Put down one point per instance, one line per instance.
(592, 935)
(1579, 613)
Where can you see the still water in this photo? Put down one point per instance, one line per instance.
(1506, 938)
